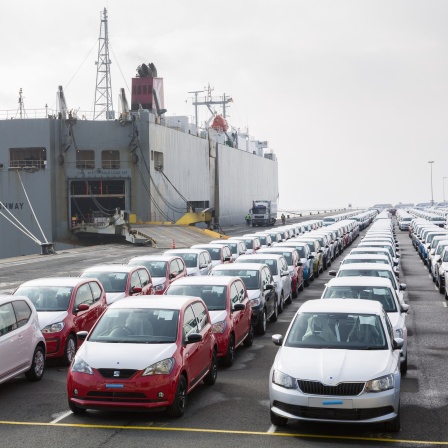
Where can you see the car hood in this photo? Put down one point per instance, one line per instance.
(332, 366)
(253, 293)
(124, 355)
(396, 320)
(158, 280)
(112, 297)
(50, 317)
(218, 315)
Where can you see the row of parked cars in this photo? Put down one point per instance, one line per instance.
(342, 357)
(222, 293)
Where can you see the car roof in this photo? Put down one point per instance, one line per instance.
(204, 245)
(342, 306)
(375, 256)
(158, 257)
(360, 281)
(259, 256)
(220, 280)
(56, 281)
(174, 302)
(239, 266)
(6, 298)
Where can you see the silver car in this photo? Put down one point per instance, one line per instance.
(339, 362)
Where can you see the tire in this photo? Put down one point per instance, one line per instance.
(295, 294)
(441, 287)
(281, 304)
(302, 285)
(262, 323)
(404, 365)
(274, 315)
(212, 374)
(70, 350)
(277, 420)
(249, 339)
(75, 409)
(230, 354)
(395, 424)
(316, 274)
(36, 371)
(177, 409)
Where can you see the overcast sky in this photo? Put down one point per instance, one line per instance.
(351, 95)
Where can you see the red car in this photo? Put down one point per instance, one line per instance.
(64, 305)
(120, 280)
(228, 304)
(144, 354)
(164, 269)
(295, 267)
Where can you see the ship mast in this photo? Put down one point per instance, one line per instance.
(21, 108)
(103, 91)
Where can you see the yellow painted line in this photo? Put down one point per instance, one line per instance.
(223, 431)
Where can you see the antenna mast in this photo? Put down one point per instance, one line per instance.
(103, 92)
(21, 108)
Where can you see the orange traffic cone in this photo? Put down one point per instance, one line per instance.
(173, 246)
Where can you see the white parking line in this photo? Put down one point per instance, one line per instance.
(444, 304)
(61, 417)
(272, 429)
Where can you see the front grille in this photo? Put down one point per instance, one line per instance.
(341, 389)
(118, 397)
(123, 373)
(333, 413)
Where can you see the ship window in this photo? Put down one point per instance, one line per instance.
(28, 158)
(110, 160)
(85, 159)
(157, 158)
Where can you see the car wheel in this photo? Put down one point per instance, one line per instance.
(316, 274)
(395, 424)
(70, 350)
(302, 285)
(75, 409)
(404, 365)
(230, 354)
(262, 323)
(277, 420)
(249, 339)
(440, 287)
(274, 315)
(281, 304)
(212, 374)
(36, 371)
(295, 294)
(177, 409)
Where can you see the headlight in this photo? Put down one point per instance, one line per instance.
(255, 302)
(159, 287)
(380, 384)
(399, 333)
(163, 367)
(53, 328)
(283, 380)
(79, 365)
(219, 327)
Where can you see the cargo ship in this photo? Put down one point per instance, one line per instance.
(65, 175)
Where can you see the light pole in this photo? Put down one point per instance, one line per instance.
(444, 188)
(432, 196)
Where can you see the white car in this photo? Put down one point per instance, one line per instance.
(22, 345)
(280, 271)
(237, 247)
(375, 289)
(197, 261)
(338, 363)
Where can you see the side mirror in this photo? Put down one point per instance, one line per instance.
(81, 335)
(277, 339)
(173, 275)
(404, 307)
(403, 286)
(397, 343)
(299, 263)
(238, 307)
(332, 273)
(136, 289)
(268, 287)
(194, 337)
(83, 307)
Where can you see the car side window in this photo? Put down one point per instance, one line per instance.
(390, 328)
(264, 277)
(174, 268)
(234, 296)
(144, 277)
(135, 280)
(181, 265)
(241, 292)
(83, 295)
(201, 315)
(96, 291)
(23, 312)
(190, 324)
(7, 319)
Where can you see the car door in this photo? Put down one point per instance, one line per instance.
(145, 281)
(12, 343)
(268, 294)
(204, 266)
(205, 329)
(135, 282)
(242, 319)
(285, 279)
(192, 354)
(83, 320)
(99, 303)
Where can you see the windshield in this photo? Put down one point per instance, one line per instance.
(269, 261)
(337, 331)
(383, 295)
(233, 247)
(383, 273)
(287, 255)
(364, 260)
(440, 248)
(137, 326)
(262, 240)
(214, 296)
(250, 278)
(47, 298)
(155, 268)
(111, 281)
(215, 253)
(191, 260)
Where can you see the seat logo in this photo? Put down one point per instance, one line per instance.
(116, 373)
